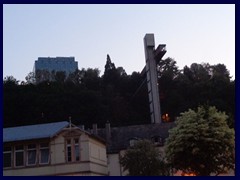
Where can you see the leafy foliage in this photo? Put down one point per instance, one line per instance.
(196, 85)
(83, 95)
(30, 78)
(201, 142)
(143, 159)
(10, 81)
(115, 96)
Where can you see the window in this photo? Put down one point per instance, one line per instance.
(76, 148)
(69, 151)
(44, 153)
(28, 155)
(19, 156)
(72, 150)
(31, 154)
(7, 157)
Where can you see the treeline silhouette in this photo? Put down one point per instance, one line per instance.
(115, 97)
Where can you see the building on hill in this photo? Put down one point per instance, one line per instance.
(52, 149)
(46, 65)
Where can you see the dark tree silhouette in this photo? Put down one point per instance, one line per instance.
(115, 96)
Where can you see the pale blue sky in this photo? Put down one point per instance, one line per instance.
(192, 33)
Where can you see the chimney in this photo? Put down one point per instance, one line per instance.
(108, 131)
(94, 126)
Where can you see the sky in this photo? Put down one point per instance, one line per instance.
(192, 34)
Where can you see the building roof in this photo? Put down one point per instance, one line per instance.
(37, 131)
(120, 136)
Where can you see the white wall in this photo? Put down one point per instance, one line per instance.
(93, 160)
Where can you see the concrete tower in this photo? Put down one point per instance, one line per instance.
(152, 57)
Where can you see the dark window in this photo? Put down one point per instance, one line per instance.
(77, 153)
(7, 157)
(44, 153)
(73, 150)
(69, 151)
(19, 156)
(31, 154)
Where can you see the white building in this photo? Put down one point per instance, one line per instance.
(52, 149)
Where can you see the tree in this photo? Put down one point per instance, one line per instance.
(110, 73)
(91, 79)
(221, 71)
(30, 78)
(121, 71)
(60, 76)
(10, 80)
(201, 143)
(198, 72)
(169, 68)
(143, 159)
(76, 77)
(109, 65)
(168, 73)
(42, 76)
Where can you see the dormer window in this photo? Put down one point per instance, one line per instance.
(72, 149)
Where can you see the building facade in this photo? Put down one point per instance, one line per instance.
(52, 149)
(119, 139)
(45, 68)
(66, 64)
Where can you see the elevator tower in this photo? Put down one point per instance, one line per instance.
(153, 56)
